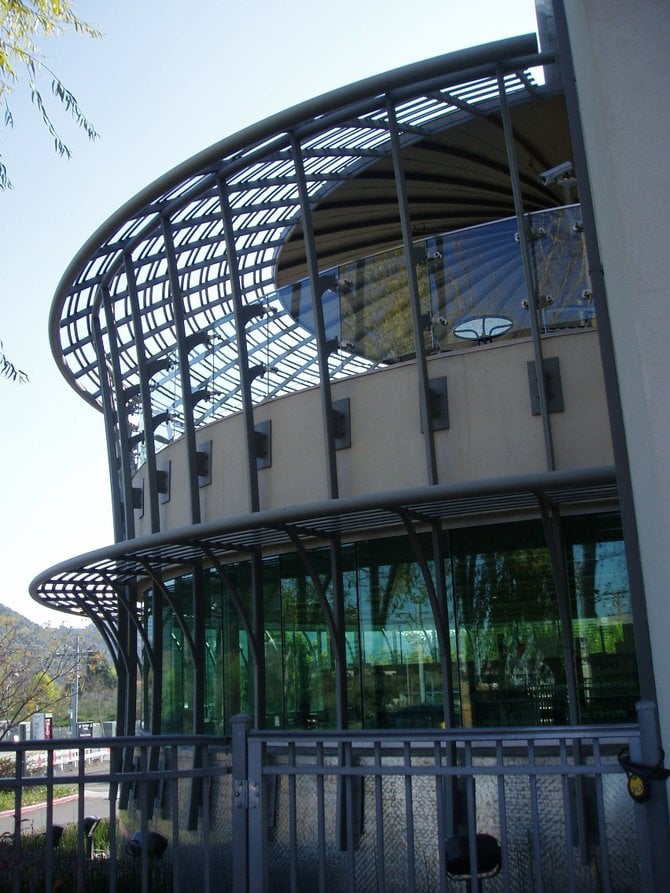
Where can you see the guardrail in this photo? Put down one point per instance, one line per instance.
(518, 809)
(161, 791)
(408, 810)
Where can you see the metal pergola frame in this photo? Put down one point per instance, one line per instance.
(106, 585)
(168, 316)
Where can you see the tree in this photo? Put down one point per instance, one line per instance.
(32, 675)
(9, 370)
(97, 689)
(22, 24)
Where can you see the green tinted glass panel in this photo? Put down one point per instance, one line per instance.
(274, 663)
(227, 666)
(309, 661)
(602, 621)
(510, 655)
(401, 664)
(177, 689)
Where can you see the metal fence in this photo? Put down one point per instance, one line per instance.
(425, 811)
(417, 810)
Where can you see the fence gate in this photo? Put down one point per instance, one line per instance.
(439, 810)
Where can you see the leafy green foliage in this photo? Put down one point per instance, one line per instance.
(23, 23)
(8, 369)
(37, 667)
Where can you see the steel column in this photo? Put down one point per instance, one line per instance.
(414, 298)
(111, 428)
(531, 296)
(242, 353)
(184, 371)
(319, 323)
(121, 421)
(145, 397)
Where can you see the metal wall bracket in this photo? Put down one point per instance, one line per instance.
(203, 458)
(263, 444)
(163, 481)
(342, 424)
(552, 377)
(138, 499)
(439, 403)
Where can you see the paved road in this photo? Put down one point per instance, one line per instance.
(96, 802)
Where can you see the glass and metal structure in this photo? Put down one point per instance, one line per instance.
(343, 495)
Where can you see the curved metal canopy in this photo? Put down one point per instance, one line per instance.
(91, 584)
(447, 118)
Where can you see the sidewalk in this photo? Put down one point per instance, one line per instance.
(65, 810)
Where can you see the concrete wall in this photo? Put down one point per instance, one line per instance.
(492, 431)
(620, 52)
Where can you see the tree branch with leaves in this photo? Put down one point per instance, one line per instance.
(32, 679)
(23, 23)
(9, 370)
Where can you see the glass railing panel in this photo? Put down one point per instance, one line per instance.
(471, 289)
(559, 263)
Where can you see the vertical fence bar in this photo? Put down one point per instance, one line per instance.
(206, 879)
(19, 769)
(440, 785)
(606, 879)
(114, 767)
(471, 801)
(379, 818)
(144, 817)
(652, 816)
(538, 885)
(502, 816)
(174, 803)
(240, 771)
(409, 817)
(567, 815)
(258, 816)
(321, 818)
(81, 815)
(49, 836)
(350, 819)
(292, 819)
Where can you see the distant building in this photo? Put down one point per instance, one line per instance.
(345, 495)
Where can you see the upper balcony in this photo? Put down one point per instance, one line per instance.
(473, 295)
(381, 227)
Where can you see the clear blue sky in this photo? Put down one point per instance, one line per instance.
(166, 80)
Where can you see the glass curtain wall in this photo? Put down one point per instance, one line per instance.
(177, 670)
(507, 643)
(602, 625)
(511, 664)
(400, 654)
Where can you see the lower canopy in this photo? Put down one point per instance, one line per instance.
(516, 623)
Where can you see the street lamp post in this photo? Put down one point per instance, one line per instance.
(77, 655)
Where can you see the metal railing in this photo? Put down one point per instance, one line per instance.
(406, 810)
(152, 795)
(529, 809)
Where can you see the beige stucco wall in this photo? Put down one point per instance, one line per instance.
(492, 431)
(620, 53)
